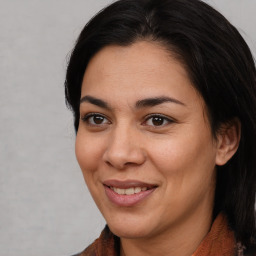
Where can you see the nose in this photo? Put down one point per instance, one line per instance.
(124, 149)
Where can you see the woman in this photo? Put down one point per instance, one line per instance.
(164, 101)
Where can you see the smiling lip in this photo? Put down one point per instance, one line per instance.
(127, 199)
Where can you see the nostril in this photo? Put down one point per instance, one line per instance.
(108, 163)
(131, 164)
(120, 165)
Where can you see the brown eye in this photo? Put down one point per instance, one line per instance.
(98, 119)
(95, 119)
(157, 121)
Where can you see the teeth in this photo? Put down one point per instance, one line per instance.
(137, 190)
(119, 191)
(128, 191)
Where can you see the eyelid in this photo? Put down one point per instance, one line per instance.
(85, 118)
(167, 118)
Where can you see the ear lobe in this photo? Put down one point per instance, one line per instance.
(228, 139)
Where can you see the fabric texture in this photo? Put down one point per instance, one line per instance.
(220, 241)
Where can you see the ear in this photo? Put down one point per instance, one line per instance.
(228, 139)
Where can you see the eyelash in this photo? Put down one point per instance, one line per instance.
(86, 118)
(166, 120)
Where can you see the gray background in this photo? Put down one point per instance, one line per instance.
(45, 207)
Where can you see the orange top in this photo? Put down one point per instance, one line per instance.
(220, 241)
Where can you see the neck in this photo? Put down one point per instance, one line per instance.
(182, 239)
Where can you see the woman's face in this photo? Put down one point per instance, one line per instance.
(144, 143)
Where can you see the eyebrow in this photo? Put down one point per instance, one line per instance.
(148, 102)
(95, 101)
(151, 102)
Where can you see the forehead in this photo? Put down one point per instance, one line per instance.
(146, 68)
(142, 58)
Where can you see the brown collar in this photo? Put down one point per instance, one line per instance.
(219, 241)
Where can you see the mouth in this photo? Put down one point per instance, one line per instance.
(127, 193)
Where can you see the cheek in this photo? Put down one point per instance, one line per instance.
(190, 157)
(88, 152)
(187, 170)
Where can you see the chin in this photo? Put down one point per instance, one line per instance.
(128, 232)
(128, 227)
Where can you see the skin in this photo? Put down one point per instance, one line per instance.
(178, 153)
